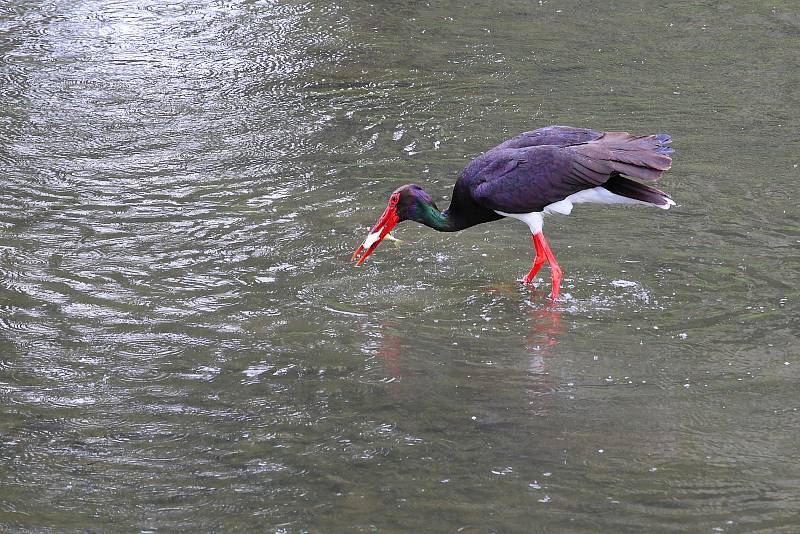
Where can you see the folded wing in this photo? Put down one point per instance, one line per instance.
(527, 179)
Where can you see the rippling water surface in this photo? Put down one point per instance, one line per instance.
(185, 346)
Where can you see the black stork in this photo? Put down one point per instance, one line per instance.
(536, 173)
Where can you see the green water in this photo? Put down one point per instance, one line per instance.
(184, 345)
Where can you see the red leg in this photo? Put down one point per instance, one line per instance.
(555, 270)
(538, 261)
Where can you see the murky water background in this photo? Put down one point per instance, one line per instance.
(185, 346)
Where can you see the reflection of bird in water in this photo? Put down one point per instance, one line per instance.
(536, 173)
(390, 352)
(522, 375)
(546, 328)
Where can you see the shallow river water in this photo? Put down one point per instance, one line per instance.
(185, 345)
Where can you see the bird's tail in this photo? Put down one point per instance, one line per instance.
(619, 185)
(644, 158)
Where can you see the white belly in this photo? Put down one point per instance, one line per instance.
(597, 195)
(534, 219)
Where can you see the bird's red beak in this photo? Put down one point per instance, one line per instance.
(384, 225)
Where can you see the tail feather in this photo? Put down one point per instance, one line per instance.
(619, 185)
(645, 158)
(663, 138)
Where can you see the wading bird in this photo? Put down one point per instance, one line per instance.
(536, 173)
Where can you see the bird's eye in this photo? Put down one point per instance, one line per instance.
(393, 199)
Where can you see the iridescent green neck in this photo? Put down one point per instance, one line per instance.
(443, 221)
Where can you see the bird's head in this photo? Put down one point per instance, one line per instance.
(407, 202)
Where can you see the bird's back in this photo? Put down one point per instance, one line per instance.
(559, 136)
(550, 135)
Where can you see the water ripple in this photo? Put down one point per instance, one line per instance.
(184, 341)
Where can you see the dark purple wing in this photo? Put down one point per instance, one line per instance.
(559, 136)
(524, 180)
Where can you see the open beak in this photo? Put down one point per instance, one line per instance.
(384, 225)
